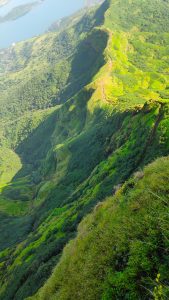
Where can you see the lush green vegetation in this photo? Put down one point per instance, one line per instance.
(83, 108)
(121, 247)
(33, 74)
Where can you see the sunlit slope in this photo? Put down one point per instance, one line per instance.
(112, 119)
(28, 76)
(47, 70)
(76, 175)
(121, 247)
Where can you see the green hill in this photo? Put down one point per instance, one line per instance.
(83, 108)
(121, 248)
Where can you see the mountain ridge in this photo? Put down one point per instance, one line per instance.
(110, 121)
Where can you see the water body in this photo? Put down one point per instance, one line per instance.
(36, 21)
(10, 5)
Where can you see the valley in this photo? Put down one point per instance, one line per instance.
(84, 180)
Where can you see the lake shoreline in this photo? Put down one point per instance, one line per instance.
(18, 12)
(34, 22)
(21, 21)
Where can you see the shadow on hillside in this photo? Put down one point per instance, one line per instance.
(103, 155)
(36, 151)
(31, 151)
(86, 62)
(13, 229)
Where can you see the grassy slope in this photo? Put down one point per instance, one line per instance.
(32, 72)
(74, 155)
(121, 247)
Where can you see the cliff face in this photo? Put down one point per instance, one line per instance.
(83, 108)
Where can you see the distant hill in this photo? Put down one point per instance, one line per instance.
(18, 12)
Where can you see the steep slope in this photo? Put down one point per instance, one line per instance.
(107, 83)
(121, 247)
(43, 71)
